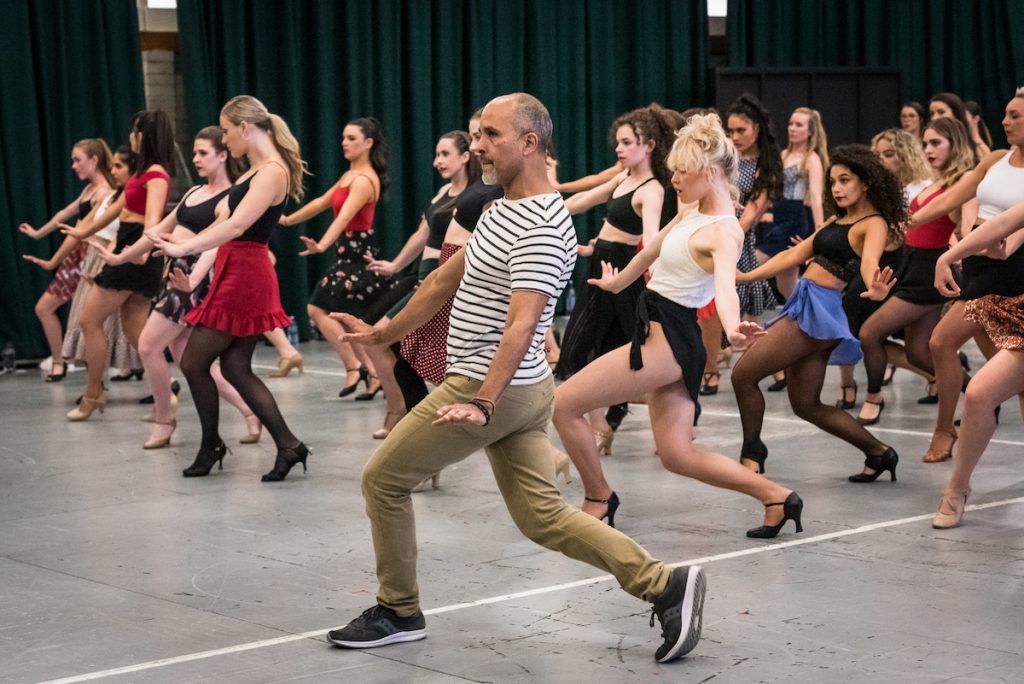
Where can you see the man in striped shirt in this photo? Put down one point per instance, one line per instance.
(498, 395)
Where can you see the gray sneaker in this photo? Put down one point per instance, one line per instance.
(680, 608)
(379, 626)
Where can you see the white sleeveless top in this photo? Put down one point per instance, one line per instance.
(1001, 188)
(110, 232)
(678, 277)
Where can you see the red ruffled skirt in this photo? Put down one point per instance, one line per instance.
(244, 297)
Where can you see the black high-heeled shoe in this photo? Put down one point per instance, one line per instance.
(368, 395)
(57, 377)
(890, 371)
(613, 505)
(886, 461)
(364, 376)
(205, 460)
(792, 509)
(878, 416)
(286, 460)
(135, 373)
(706, 388)
(758, 454)
(845, 403)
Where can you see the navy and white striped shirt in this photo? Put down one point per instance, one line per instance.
(526, 244)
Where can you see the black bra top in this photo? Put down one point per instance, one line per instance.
(621, 214)
(83, 208)
(439, 215)
(833, 252)
(199, 217)
(471, 202)
(263, 227)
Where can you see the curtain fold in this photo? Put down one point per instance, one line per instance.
(422, 68)
(71, 70)
(975, 49)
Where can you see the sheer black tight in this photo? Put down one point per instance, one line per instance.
(916, 320)
(804, 359)
(206, 345)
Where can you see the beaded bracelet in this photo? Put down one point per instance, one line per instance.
(479, 403)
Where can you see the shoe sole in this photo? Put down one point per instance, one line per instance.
(396, 638)
(693, 606)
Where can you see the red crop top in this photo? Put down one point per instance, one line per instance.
(362, 221)
(934, 234)
(135, 190)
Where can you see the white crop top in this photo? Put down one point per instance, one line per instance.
(678, 277)
(110, 232)
(1001, 188)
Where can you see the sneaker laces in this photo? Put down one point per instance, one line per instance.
(654, 612)
(367, 616)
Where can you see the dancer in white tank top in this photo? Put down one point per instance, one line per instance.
(698, 258)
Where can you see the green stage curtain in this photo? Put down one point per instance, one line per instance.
(974, 48)
(422, 67)
(68, 70)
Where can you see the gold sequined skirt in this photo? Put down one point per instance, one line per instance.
(1002, 318)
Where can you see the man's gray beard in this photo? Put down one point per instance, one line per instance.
(489, 177)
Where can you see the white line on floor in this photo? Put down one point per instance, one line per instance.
(318, 634)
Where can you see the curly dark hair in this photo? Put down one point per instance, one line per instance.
(883, 189)
(769, 157)
(656, 123)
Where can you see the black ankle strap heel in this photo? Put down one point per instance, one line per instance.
(613, 505)
(792, 509)
(205, 460)
(880, 464)
(285, 461)
(758, 453)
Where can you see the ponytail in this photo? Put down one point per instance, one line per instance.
(379, 153)
(98, 148)
(288, 147)
(247, 108)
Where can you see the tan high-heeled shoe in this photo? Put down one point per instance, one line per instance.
(85, 408)
(562, 465)
(286, 365)
(934, 455)
(957, 501)
(151, 416)
(434, 480)
(161, 442)
(252, 437)
(604, 440)
(390, 421)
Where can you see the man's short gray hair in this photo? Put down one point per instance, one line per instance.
(531, 116)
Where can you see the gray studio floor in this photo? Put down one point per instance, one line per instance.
(115, 568)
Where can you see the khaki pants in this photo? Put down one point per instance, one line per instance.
(516, 442)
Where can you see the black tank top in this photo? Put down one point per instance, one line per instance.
(471, 202)
(621, 214)
(439, 215)
(833, 252)
(263, 227)
(199, 217)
